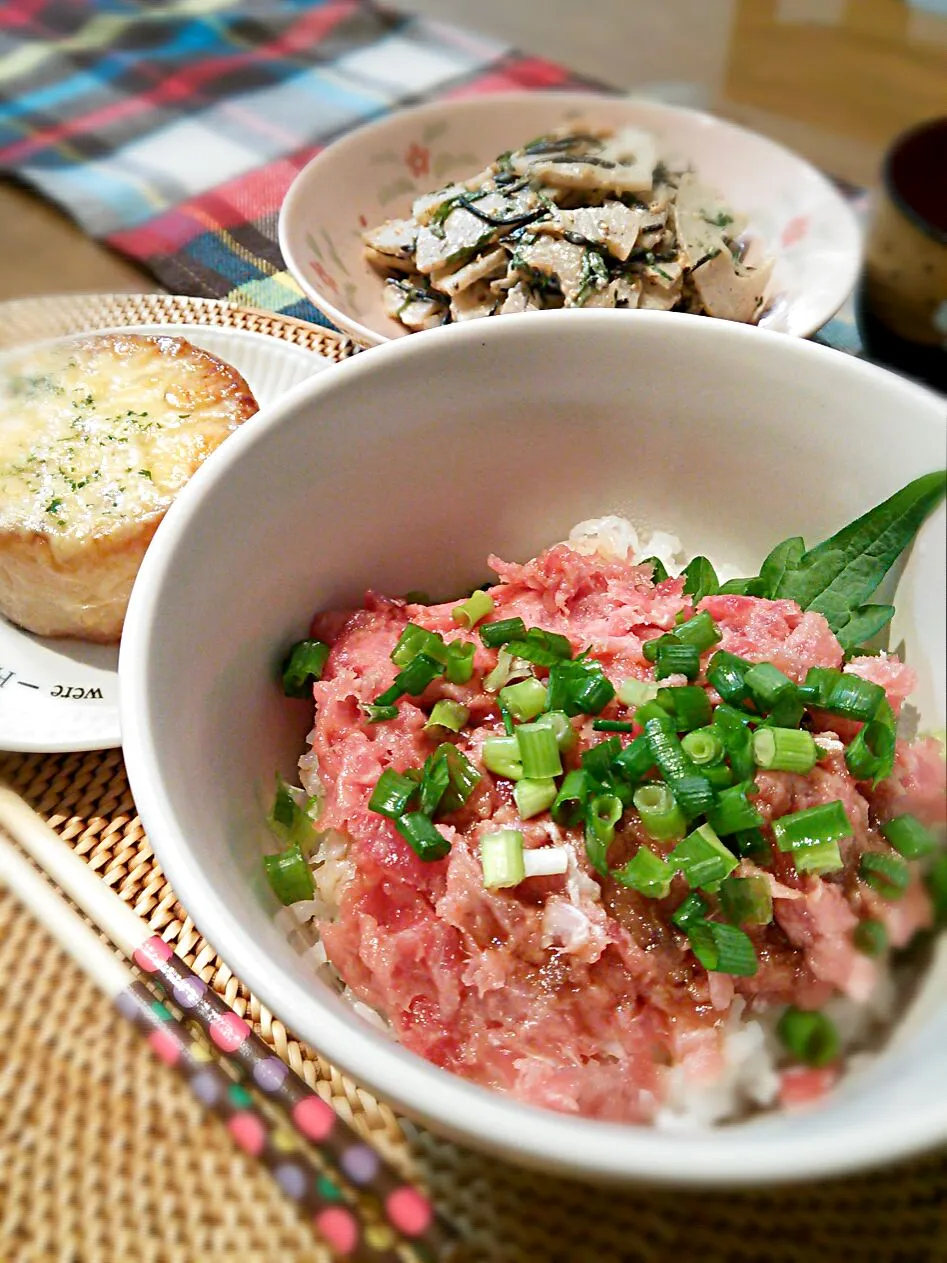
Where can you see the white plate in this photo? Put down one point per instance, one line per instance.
(63, 694)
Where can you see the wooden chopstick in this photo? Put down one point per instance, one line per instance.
(408, 1212)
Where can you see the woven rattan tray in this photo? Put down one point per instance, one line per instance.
(106, 1158)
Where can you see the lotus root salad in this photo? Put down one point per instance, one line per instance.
(622, 842)
(573, 219)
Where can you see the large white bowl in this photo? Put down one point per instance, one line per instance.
(376, 172)
(402, 469)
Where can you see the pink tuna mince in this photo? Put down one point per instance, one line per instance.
(574, 992)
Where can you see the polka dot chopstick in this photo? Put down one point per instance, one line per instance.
(407, 1225)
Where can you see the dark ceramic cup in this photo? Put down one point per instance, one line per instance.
(902, 300)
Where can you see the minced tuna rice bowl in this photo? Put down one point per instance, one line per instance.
(621, 842)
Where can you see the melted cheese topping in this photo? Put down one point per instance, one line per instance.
(104, 431)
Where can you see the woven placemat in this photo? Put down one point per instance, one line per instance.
(105, 1157)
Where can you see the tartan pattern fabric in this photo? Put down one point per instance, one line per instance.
(172, 130)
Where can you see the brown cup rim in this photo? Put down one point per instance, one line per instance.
(890, 184)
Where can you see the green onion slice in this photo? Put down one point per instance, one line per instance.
(647, 873)
(423, 836)
(853, 697)
(421, 671)
(694, 908)
(501, 756)
(746, 900)
(501, 857)
(700, 631)
(651, 648)
(870, 937)
(539, 751)
(460, 660)
(661, 816)
(447, 714)
(533, 797)
(727, 673)
(687, 704)
(703, 858)
(870, 755)
(558, 721)
(768, 686)
(909, 837)
(818, 858)
(677, 659)
(722, 948)
(635, 693)
(602, 815)
(500, 633)
(825, 823)
(524, 700)
(293, 815)
(612, 725)
(733, 812)
(703, 745)
(302, 666)
(888, 874)
(785, 750)
(469, 613)
(376, 714)
(289, 874)
(414, 640)
(545, 648)
(393, 794)
(506, 671)
(579, 687)
(810, 1037)
(568, 807)
(635, 761)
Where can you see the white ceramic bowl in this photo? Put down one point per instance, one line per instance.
(376, 172)
(392, 471)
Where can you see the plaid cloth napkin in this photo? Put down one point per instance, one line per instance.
(171, 131)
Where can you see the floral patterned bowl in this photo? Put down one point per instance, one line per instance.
(376, 172)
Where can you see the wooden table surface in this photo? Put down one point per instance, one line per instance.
(833, 79)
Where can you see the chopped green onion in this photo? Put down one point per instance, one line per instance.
(390, 695)
(785, 750)
(753, 586)
(810, 1037)
(539, 751)
(666, 749)
(870, 755)
(722, 948)
(818, 685)
(752, 845)
(687, 704)
(733, 812)
(460, 659)
(661, 816)
(888, 874)
(677, 660)
(825, 823)
(936, 882)
(501, 857)
(818, 858)
(737, 740)
(508, 726)
(603, 814)
(719, 775)
(501, 756)
(302, 666)
(496, 634)
(558, 721)
(289, 874)
(693, 908)
(293, 815)
(651, 710)
(635, 761)
(569, 805)
(727, 673)
(634, 692)
(694, 794)
(646, 873)
(414, 640)
(597, 760)
(700, 579)
(422, 836)
(703, 745)
(392, 794)
(447, 714)
(909, 837)
(702, 858)
(506, 670)
(421, 671)
(651, 648)
(700, 631)
(533, 797)
(545, 648)
(524, 700)
(870, 937)
(464, 778)
(435, 778)
(469, 613)
(768, 685)
(376, 714)
(854, 697)
(746, 900)
(788, 712)
(579, 687)
(612, 725)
